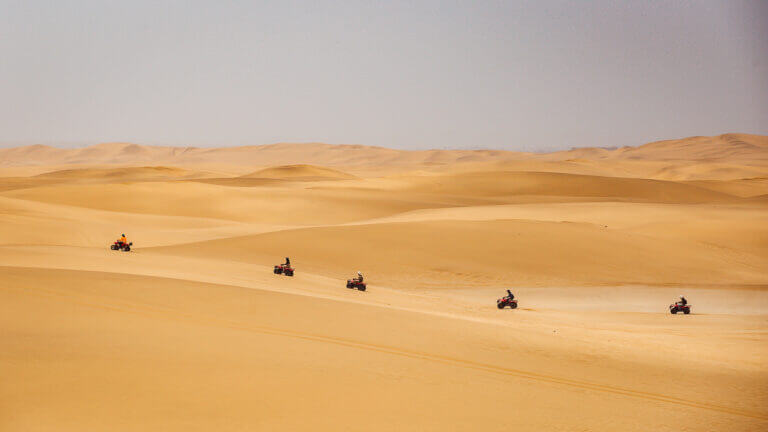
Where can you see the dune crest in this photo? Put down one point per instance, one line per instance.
(732, 147)
(124, 174)
(300, 172)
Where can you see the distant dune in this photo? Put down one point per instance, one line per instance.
(300, 172)
(728, 147)
(263, 155)
(125, 174)
(505, 184)
(728, 156)
(731, 147)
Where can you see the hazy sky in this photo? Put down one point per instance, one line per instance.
(520, 75)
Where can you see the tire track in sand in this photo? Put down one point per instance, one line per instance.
(179, 316)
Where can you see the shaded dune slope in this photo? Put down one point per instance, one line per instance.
(300, 172)
(504, 183)
(487, 253)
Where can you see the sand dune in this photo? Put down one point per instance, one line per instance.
(140, 340)
(266, 204)
(733, 147)
(300, 172)
(504, 184)
(742, 148)
(747, 187)
(729, 147)
(490, 253)
(724, 157)
(152, 173)
(264, 155)
(192, 331)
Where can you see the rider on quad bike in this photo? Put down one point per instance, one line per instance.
(356, 283)
(121, 244)
(680, 306)
(507, 300)
(284, 268)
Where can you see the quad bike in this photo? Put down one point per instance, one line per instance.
(679, 307)
(284, 269)
(118, 245)
(506, 301)
(355, 284)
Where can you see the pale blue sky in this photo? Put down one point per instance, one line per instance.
(518, 75)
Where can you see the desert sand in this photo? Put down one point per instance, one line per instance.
(192, 331)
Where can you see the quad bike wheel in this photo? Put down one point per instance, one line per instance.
(673, 311)
(513, 306)
(289, 272)
(686, 311)
(278, 270)
(113, 247)
(500, 305)
(361, 287)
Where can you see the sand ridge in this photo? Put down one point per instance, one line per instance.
(300, 172)
(740, 149)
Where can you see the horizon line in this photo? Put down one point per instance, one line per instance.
(65, 145)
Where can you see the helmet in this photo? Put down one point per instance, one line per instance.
(358, 272)
(122, 235)
(681, 296)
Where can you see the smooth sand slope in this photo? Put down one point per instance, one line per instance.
(192, 331)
